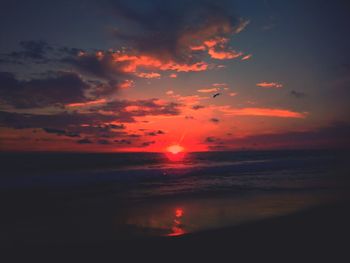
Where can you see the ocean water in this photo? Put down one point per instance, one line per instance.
(72, 197)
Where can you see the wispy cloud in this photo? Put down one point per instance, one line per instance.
(152, 75)
(265, 84)
(268, 112)
(207, 90)
(246, 57)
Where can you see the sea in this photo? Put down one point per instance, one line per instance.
(60, 198)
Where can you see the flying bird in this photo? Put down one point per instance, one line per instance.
(216, 94)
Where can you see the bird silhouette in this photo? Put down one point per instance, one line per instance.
(216, 94)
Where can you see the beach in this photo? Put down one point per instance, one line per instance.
(248, 205)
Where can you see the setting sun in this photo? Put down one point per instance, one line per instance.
(175, 149)
(175, 152)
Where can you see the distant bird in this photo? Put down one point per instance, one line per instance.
(216, 94)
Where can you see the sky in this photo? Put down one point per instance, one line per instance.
(136, 75)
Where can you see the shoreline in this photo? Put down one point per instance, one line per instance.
(318, 232)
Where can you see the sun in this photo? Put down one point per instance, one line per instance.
(175, 149)
(175, 152)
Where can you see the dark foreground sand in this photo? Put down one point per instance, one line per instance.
(319, 234)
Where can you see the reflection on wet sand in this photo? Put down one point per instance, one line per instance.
(168, 218)
(177, 228)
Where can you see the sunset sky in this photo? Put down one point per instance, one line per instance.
(140, 75)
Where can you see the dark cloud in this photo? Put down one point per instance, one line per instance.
(103, 66)
(123, 141)
(334, 135)
(297, 94)
(142, 107)
(145, 144)
(168, 28)
(217, 147)
(61, 121)
(134, 135)
(155, 133)
(61, 132)
(36, 51)
(210, 139)
(58, 88)
(103, 142)
(214, 120)
(84, 141)
(197, 107)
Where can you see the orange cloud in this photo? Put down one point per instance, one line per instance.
(282, 113)
(133, 62)
(152, 75)
(207, 90)
(217, 49)
(84, 104)
(232, 94)
(269, 85)
(173, 75)
(230, 54)
(126, 84)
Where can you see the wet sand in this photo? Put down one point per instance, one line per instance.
(317, 234)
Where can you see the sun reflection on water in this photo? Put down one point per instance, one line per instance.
(177, 227)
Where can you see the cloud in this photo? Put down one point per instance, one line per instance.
(126, 84)
(56, 88)
(103, 142)
(210, 139)
(232, 94)
(123, 141)
(268, 112)
(214, 120)
(188, 100)
(102, 120)
(99, 64)
(332, 135)
(222, 54)
(173, 75)
(85, 104)
(36, 51)
(61, 132)
(172, 31)
(297, 94)
(151, 75)
(198, 107)
(155, 133)
(207, 90)
(219, 84)
(269, 85)
(246, 57)
(84, 141)
(142, 107)
(148, 143)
